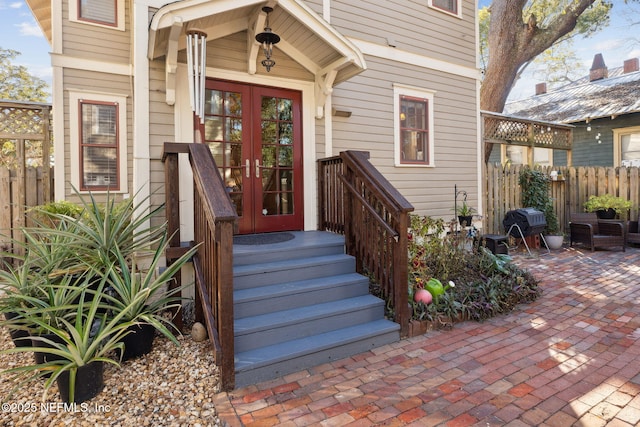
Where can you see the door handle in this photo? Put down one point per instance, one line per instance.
(257, 168)
(247, 166)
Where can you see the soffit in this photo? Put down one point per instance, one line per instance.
(41, 10)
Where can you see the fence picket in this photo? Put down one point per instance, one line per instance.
(569, 194)
(19, 191)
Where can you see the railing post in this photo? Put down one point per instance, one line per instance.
(401, 276)
(172, 207)
(224, 238)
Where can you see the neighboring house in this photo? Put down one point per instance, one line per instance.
(397, 80)
(604, 109)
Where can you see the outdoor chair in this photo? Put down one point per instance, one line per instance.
(633, 232)
(587, 229)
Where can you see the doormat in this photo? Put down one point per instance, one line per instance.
(262, 239)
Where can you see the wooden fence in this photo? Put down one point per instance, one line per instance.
(19, 192)
(502, 192)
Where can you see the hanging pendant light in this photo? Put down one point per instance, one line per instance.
(196, 67)
(267, 38)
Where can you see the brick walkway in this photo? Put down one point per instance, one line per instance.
(570, 358)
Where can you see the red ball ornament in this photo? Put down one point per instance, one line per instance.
(423, 296)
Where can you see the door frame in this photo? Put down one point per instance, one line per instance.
(183, 120)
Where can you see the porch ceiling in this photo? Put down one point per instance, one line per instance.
(305, 37)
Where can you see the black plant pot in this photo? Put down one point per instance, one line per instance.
(139, 342)
(43, 357)
(606, 213)
(89, 382)
(465, 220)
(20, 337)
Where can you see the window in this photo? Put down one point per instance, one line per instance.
(627, 146)
(98, 142)
(519, 155)
(413, 123)
(99, 146)
(102, 11)
(108, 13)
(449, 6)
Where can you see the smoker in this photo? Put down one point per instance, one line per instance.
(525, 222)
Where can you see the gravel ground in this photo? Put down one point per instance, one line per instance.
(171, 386)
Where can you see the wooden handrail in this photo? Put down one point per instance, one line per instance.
(214, 218)
(356, 200)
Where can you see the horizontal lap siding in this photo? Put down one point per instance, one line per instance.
(230, 53)
(94, 42)
(412, 25)
(161, 126)
(369, 96)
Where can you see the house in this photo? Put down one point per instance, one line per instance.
(604, 109)
(271, 86)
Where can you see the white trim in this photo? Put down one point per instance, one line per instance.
(120, 5)
(141, 174)
(184, 130)
(74, 143)
(395, 54)
(59, 139)
(74, 62)
(399, 90)
(617, 143)
(439, 9)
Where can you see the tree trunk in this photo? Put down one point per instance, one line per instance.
(513, 43)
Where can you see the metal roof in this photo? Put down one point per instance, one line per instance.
(582, 100)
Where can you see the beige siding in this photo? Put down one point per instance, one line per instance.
(89, 41)
(161, 127)
(369, 97)
(412, 25)
(230, 53)
(100, 83)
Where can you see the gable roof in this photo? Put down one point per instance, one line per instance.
(583, 99)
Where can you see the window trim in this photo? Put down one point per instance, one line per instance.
(525, 154)
(617, 142)
(74, 15)
(412, 92)
(458, 14)
(75, 146)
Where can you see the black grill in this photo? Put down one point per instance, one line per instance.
(531, 221)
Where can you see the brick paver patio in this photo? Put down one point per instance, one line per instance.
(570, 358)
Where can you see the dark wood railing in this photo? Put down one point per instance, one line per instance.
(357, 201)
(214, 218)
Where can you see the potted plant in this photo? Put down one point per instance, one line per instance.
(535, 194)
(465, 214)
(607, 206)
(83, 342)
(127, 283)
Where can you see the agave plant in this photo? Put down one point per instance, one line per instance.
(90, 335)
(143, 295)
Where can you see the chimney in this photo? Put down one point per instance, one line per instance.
(541, 88)
(631, 65)
(598, 69)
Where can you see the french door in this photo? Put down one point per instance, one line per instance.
(255, 135)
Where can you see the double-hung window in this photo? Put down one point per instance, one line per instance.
(626, 145)
(414, 126)
(448, 6)
(109, 13)
(98, 142)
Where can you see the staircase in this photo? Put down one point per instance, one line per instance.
(300, 303)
